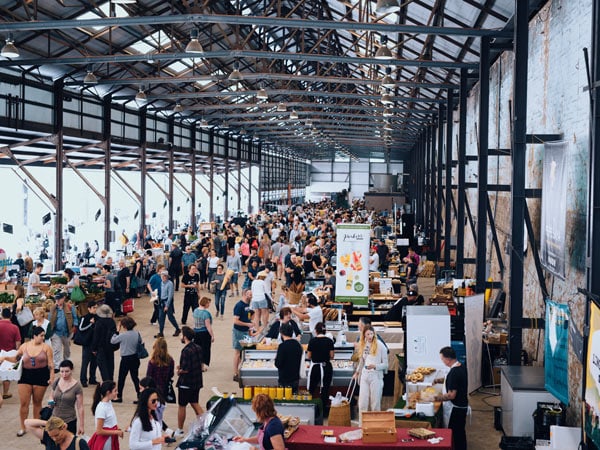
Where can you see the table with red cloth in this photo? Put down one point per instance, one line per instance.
(309, 437)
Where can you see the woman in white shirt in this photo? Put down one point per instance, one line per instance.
(372, 365)
(146, 429)
(105, 417)
(259, 301)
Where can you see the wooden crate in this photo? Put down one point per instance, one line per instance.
(378, 426)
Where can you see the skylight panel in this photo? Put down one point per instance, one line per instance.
(104, 12)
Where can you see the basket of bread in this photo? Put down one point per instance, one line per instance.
(290, 425)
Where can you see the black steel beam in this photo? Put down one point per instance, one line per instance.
(170, 140)
(462, 152)
(432, 178)
(495, 241)
(143, 169)
(536, 255)
(106, 134)
(482, 179)
(426, 177)
(440, 187)
(448, 180)
(57, 123)
(470, 219)
(515, 343)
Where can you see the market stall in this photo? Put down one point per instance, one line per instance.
(311, 437)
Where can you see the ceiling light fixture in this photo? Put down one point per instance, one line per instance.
(235, 75)
(204, 123)
(194, 45)
(386, 99)
(140, 97)
(262, 94)
(308, 122)
(383, 52)
(387, 112)
(281, 107)
(10, 50)
(178, 108)
(386, 7)
(293, 115)
(388, 127)
(90, 78)
(387, 81)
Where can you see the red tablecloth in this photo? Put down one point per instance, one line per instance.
(309, 437)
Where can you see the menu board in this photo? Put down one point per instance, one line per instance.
(352, 272)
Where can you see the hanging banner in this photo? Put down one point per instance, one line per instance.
(474, 308)
(554, 208)
(352, 272)
(592, 378)
(556, 351)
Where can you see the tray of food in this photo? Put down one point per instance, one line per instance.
(419, 374)
(421, 433)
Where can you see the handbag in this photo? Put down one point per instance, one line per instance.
(141, 348)
(46, 412)
(270, 305)
(170, 397)
(77, 295)
(82, 337)
(127, 306)
(24, 316)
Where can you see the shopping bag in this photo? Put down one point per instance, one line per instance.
(127, 306)
(141, 348)
(170, 397)
(24, 316)
(77, 294)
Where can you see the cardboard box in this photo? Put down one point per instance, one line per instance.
(378, 426)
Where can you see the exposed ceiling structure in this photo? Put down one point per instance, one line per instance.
(306, 76)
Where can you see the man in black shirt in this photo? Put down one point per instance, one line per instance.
(455, 399)
(191, 283)
(175, 264)
(289, 358)
(123, 285)
(285, 316)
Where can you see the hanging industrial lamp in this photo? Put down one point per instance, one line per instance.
(10, 50)
(386, 7)
(383, 52)
(194, 46)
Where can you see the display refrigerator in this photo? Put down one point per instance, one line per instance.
(258, 368)
(216, 427)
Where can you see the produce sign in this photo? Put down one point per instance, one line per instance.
(352, 272)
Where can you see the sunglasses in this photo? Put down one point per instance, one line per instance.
(154, 400)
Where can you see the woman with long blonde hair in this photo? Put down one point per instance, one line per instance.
(161, 366)
(371, 367)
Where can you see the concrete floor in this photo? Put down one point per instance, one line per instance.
(480, 431)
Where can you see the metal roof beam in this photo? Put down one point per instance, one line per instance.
(278, 22)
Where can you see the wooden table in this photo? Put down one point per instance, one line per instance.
(308, 437)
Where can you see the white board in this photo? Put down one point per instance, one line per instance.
(473, 342)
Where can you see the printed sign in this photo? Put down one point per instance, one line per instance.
(556, 356)
(554, 208)
(352, 272)
(592, 378)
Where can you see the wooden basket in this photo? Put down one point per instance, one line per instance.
(339, 416)
(295, 297)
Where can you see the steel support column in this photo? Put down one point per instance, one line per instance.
(106, 136)
(593, 238)
(518, 182)
(427, 179)
(57, 122)
(238, 166)
(171, 149)
(462, 161)
(448, 180)
(432, 177)
(226, 181)
(440, 168)
(211, 175)
(193, 143)
(482, 168)
(143, 169)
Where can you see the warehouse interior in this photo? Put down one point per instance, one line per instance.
(203, 110)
